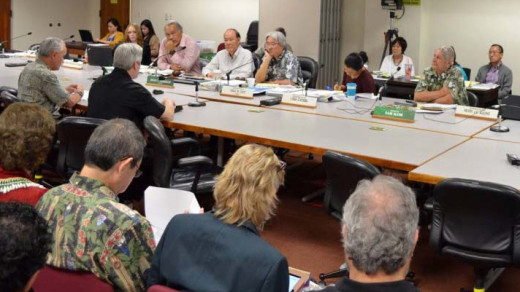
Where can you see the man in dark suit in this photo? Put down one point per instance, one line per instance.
(222, 250)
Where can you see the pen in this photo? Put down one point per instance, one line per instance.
(328, 88)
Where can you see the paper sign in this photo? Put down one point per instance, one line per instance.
(159, 82)
(402, 114)
(299, 100)
(237, 92)
(476, 112)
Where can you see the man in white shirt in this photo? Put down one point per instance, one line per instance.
(234, 57)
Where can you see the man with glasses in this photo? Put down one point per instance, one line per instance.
(495, 72)
(279, 66)
(117, 95)
(92, 231)
(37, 84)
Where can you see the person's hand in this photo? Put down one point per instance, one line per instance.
(338, 87)
(80, 88)
(170, 46)
(210, 75)
(444, 90)
(97, 40)
(71, 88)
(267, 57)
(176, 67)
(201, 211)
(168, 101)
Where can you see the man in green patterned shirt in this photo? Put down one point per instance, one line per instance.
(37, 84)
(92, 231)
(442, 82)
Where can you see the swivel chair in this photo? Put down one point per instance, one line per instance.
(478, 223)
(310, 70)
(472, 99)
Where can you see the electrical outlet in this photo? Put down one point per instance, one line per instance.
(166, 16)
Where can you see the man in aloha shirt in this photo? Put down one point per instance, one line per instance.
(92, 231)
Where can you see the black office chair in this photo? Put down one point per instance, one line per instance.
(34, 47)
(10, 89)
(472, 99)
(7, 98)
(257, 61)
(203, 62)
(73, 134)
(195, 173)
(252, 37)
(343, 174)
(310, 70)
(468, 72)
(479, 223)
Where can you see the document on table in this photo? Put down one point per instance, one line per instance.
(161, 204)
(484, 86)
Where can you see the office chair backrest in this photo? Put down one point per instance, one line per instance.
(8, 98)
(257, 62)
(476, 217)
(10, 89)
(252, 35)
(472, 98)
(468, 72)
(162, 152)
(59, 280)
(73, 135)
(343, 174)
(310, 70)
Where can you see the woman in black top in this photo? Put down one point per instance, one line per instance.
(150, 42)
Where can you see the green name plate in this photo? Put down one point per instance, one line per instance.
(155, 81)
(402, 114)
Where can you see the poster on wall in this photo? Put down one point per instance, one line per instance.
(412, 2)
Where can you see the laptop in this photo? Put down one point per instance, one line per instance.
(86, 36)
(99, 55)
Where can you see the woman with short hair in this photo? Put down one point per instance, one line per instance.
(222, 250)
(26, 136)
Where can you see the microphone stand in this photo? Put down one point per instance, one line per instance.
(499, 128)
(197, 103)
(228, 74)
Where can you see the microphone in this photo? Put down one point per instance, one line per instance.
(70, 37)
(104, 70)
(379, 96)
(240, 66)
(197, 103)
(392, 76)
(16, 37)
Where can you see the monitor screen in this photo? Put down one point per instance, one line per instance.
(293, 280)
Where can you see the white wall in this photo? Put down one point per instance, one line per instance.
(301, 20)
(35, 15)
(201, 19)
(470, 26)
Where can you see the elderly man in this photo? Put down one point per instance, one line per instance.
(178, 51)
(279, 66)
(92, 231)
(117, 95)
(37, 84)
(379, 235)
(25, 242)
(443, 82)
(496, 72)
(233, 57)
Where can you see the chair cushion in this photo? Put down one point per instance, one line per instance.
(478, 259)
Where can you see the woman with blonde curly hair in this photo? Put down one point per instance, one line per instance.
(224, 246)
(133, 34)
(26, 135)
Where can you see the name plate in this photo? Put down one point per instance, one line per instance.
(476, 112)
(159, 82)
(401, 114)
(237, 92)
(73, 65)
(299, 100)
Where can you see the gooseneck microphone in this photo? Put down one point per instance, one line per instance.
(70, 37)
(228, 73)
(16, 37)
(393, 74)
(385, 86)
(197, 103)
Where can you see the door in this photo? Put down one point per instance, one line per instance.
(118, 9)
(5, 22)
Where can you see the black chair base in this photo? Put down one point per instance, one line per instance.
(485, 278)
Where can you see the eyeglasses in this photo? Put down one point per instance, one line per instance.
(271, 44)
(138, 173)
(283, 165)
(494, 52)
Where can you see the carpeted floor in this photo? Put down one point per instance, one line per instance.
(311, 241)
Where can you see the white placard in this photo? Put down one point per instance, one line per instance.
(476, 112)
(299, 100)
(161, 204)
(237, 92)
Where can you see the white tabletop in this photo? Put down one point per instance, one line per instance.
(394, 147)
(512, 136)
(445, 122)
(477, 159)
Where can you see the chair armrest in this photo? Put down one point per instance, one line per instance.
(184, 141)
(198, 160)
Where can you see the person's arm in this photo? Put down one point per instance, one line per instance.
(442, 95)
(169, 109)
(245, 71)
(261, 74)
(481, 75)
(190, 57)
(277, 278)
(164, 61)
(129, 256)
(507, 83)
(118, 38)
(212, 65)
(57, 94)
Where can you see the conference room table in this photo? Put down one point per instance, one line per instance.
(512, 136)
(476, 159)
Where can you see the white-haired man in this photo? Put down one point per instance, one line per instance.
(379, 235)
(37, 84)
(442, 82)
(279, 66)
